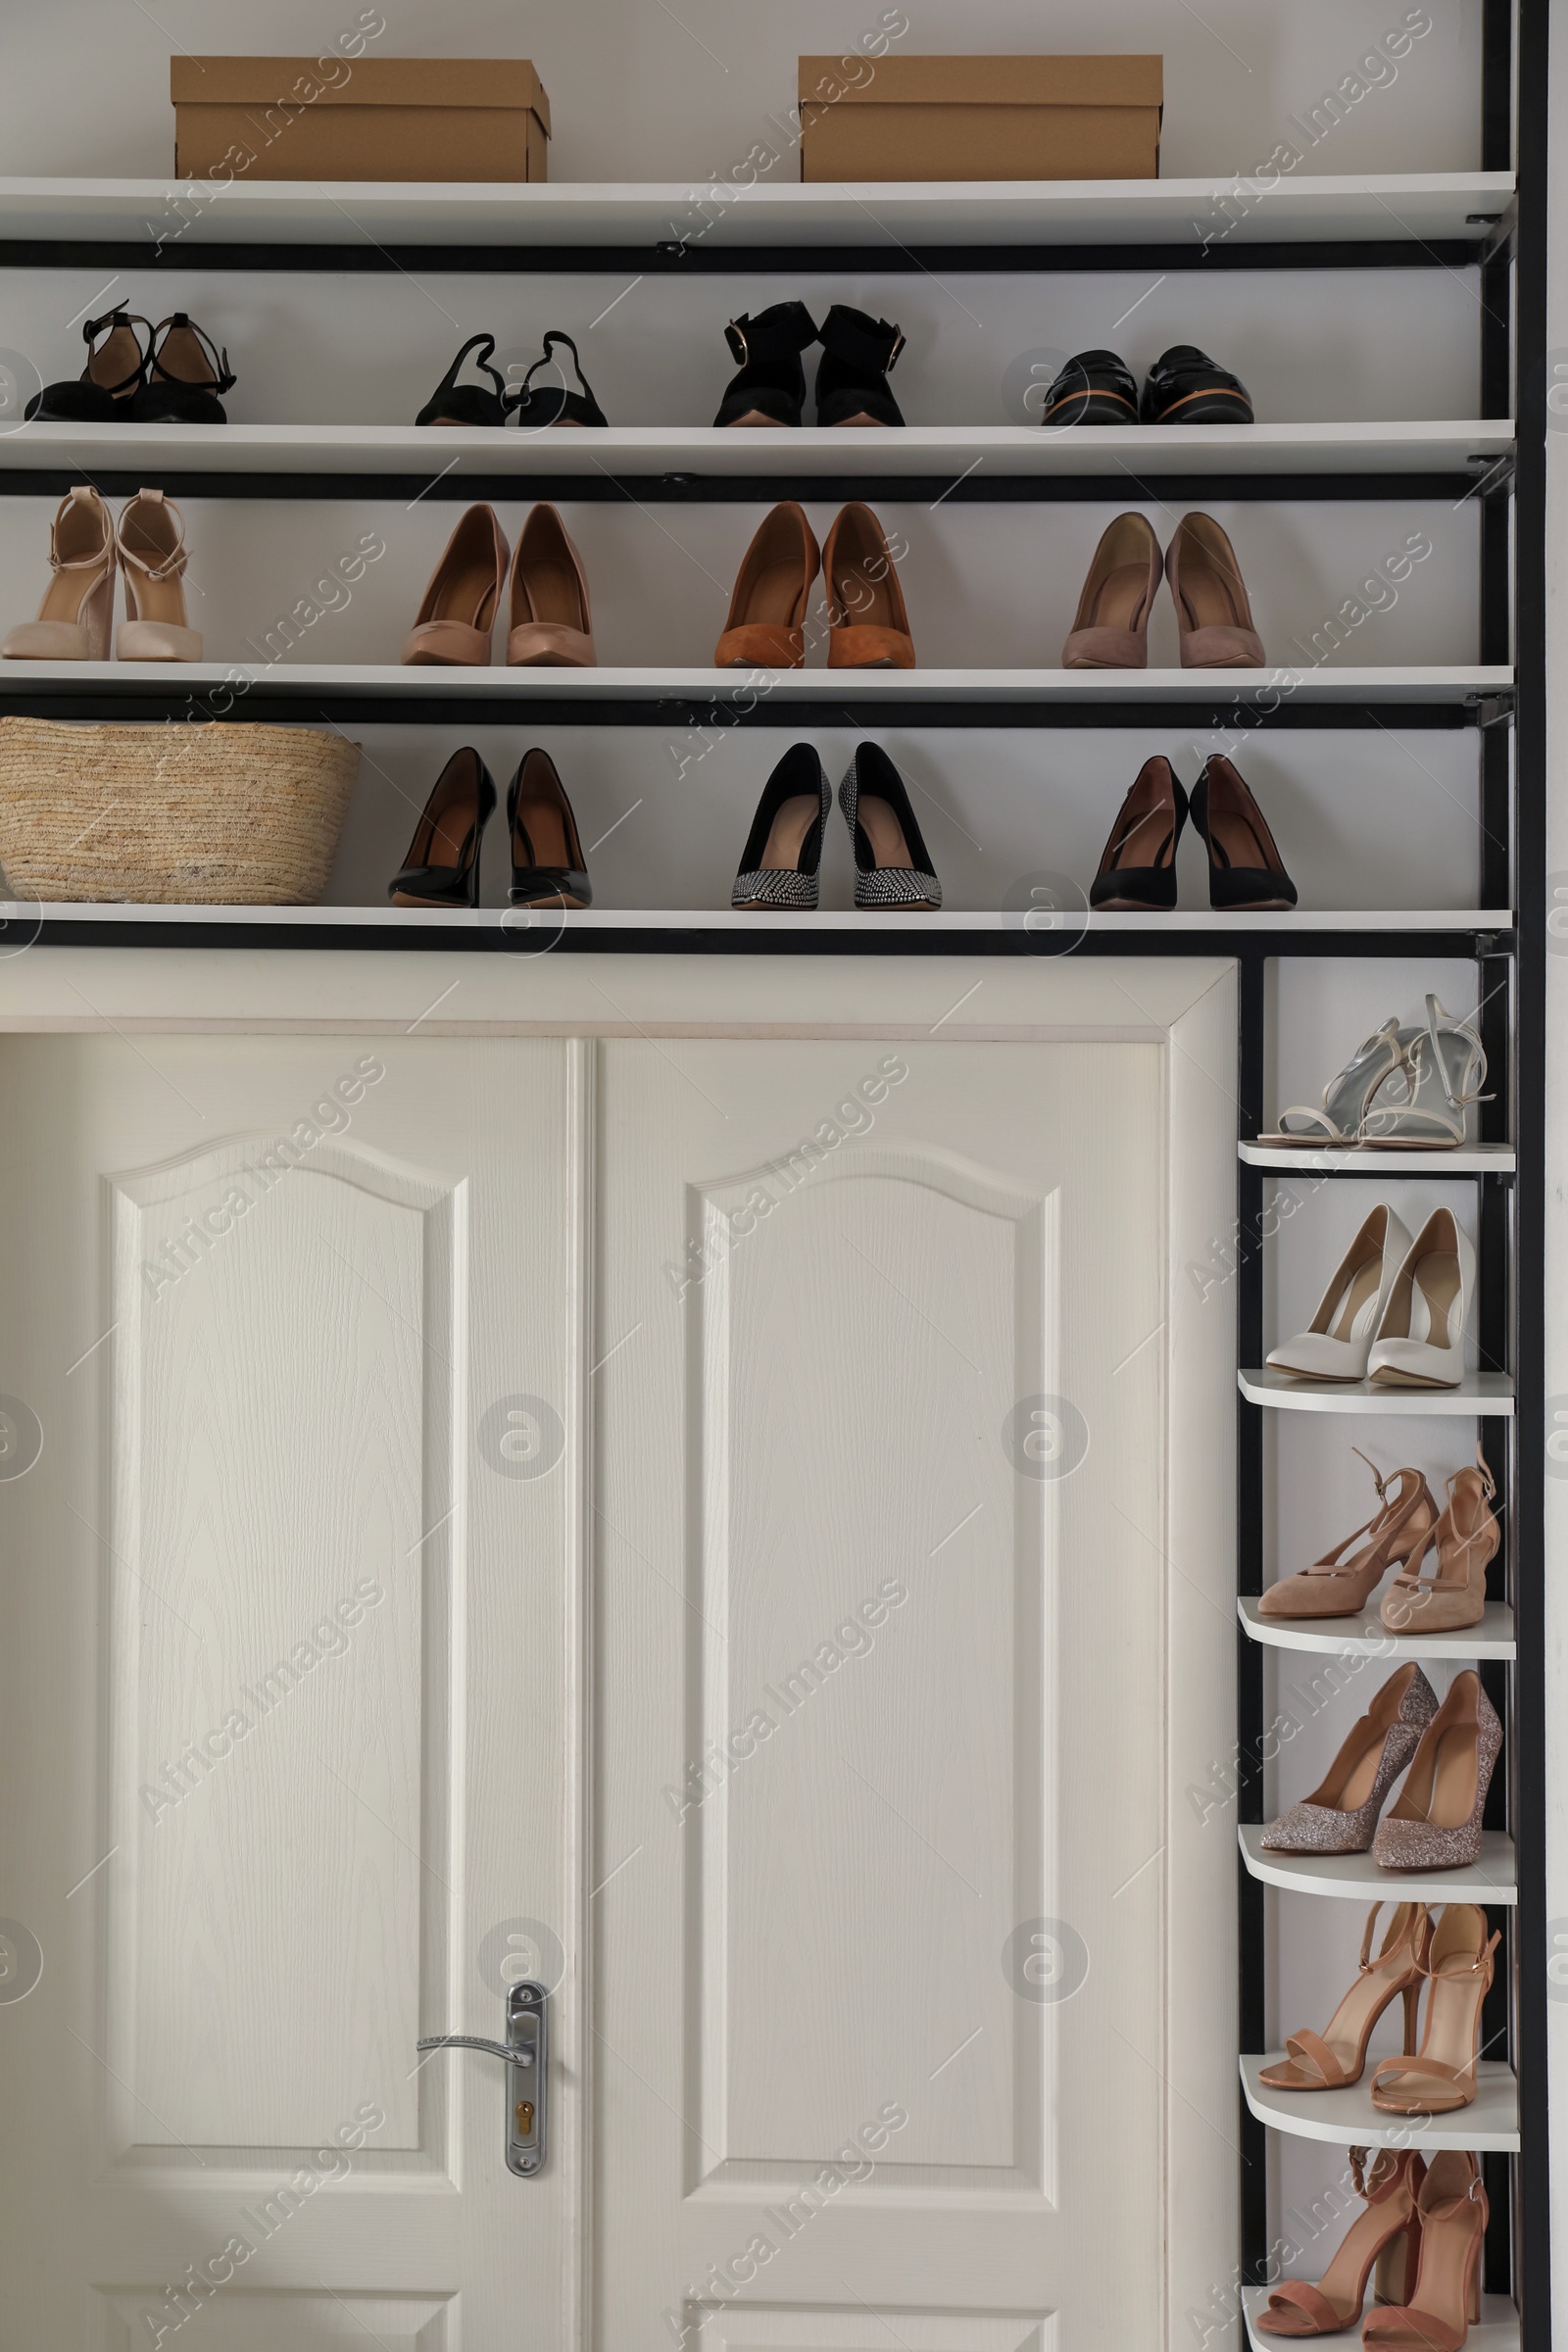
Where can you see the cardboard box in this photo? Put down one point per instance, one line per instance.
(371, 118)
(981, 118)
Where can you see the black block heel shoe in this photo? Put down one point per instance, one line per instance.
(1185, 387)
(782, 861)
(185, 373)
(1244, 869)
(892, 863)
(1138, 868)
(452, 402)
(548, 866)
(858, 353)
(553, 404)
(116, 371)
(1094, 387)
(770, 387)
(442, 862)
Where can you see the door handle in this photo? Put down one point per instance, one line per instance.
(525, 2051)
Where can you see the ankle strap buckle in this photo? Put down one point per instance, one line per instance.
(739, 349)
(893, 354)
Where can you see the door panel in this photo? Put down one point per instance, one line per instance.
(900, 1679)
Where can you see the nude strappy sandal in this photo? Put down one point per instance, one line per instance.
(1337, 2057)
(151, 544)
(76, 615)
(456, 619)
(1441, 2076)
(1453, 2214)
(1110, 629)
(1344, 1579)
(1466, 1539)
(1384, 2236)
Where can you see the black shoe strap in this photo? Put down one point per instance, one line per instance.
(788, 327)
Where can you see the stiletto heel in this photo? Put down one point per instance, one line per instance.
(1339, 1586)
(1435, 1824)
(1138, 865)
(457, 616)
(550, 619)
(868, 626)
(1441, 2076)
(1213, 617)
(185, 375)
(452, 402)
(553, 404)
(1341, 1815)
(1383, 2240)
(442, 867)
(76, 614)
(1445, 1069)
(781, 863)
(151, 545)
(766, 625)
(1342, 1118)
(1419, 1342)
(1466, 1539)
(892, 863)
(116, 372)
(1337, 2057)
(1444, 2302)
(1110, 630)
(1244, 869)
(547, 865)
(1336, 1343)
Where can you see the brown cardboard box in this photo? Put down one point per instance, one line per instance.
(372, 117)
(981, 118)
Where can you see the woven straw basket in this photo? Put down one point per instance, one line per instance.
(206, 815)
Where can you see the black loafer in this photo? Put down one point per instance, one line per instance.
(1094, 387)
(1185, 387)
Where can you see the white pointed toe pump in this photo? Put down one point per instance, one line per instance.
(1419, 1342)
(1337, 1340)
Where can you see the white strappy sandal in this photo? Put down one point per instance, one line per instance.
(1445, 1069)
(1338, 1125)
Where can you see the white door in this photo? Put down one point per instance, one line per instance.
(677, 1519)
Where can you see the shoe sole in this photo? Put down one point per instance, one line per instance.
(1206, 408)
(1090, 408)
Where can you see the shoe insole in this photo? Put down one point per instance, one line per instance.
(1446, 2290)
(1347, 2029)
(884, 833)
(1145, 842)
(1357, 1784)
(80, 536)
(182, 357)
(444, 834)
(1357, 1301)
(774, 594)
(864, 595)
(1342, 2283)
(113, 361)
(544, 821)
(1447, 1794)
(467, 593)
(1434, 1290)
(1207, 593)
(791, 821)
(1119, 600)
(553, 593)
(1235, 842)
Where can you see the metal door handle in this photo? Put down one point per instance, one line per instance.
(524, 2050)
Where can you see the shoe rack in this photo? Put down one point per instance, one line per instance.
(1487, 225)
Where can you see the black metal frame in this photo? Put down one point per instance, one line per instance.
(1512, 776)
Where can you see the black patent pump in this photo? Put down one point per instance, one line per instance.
(442, 862)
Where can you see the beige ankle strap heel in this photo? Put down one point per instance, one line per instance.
(78, 610)
(151, 540)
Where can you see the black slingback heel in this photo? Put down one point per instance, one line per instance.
(185, 375)
(851, 376)
(452, 402)
(553, 404)
(442, 862)
(115, 369)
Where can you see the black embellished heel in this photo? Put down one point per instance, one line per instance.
(553, 404)
(892, 863)
(858, 353)
(548, 866)
(452, 402)
(185, 373)
(782, 861)
(115, 369)
(771, 388)
(442, 862)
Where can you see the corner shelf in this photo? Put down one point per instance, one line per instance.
(1348, 2118)
(1484, 1393)
(1470, 1159)
(1497, 2332)
(1369, 1638)
(1357, 1878)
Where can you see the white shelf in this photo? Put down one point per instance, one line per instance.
(1348, 2118)
(1206, 688)
(1397, 207)
(1359, 1879)
(1479, 1392)
(1498, 2330)
(1368, 1638)
(959, 451)
(1470, 1159)
(655, 920)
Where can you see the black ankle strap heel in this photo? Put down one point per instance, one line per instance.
(185, 375)
(452, 402)
(553, 404)
(770, 387)
(851, 377)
